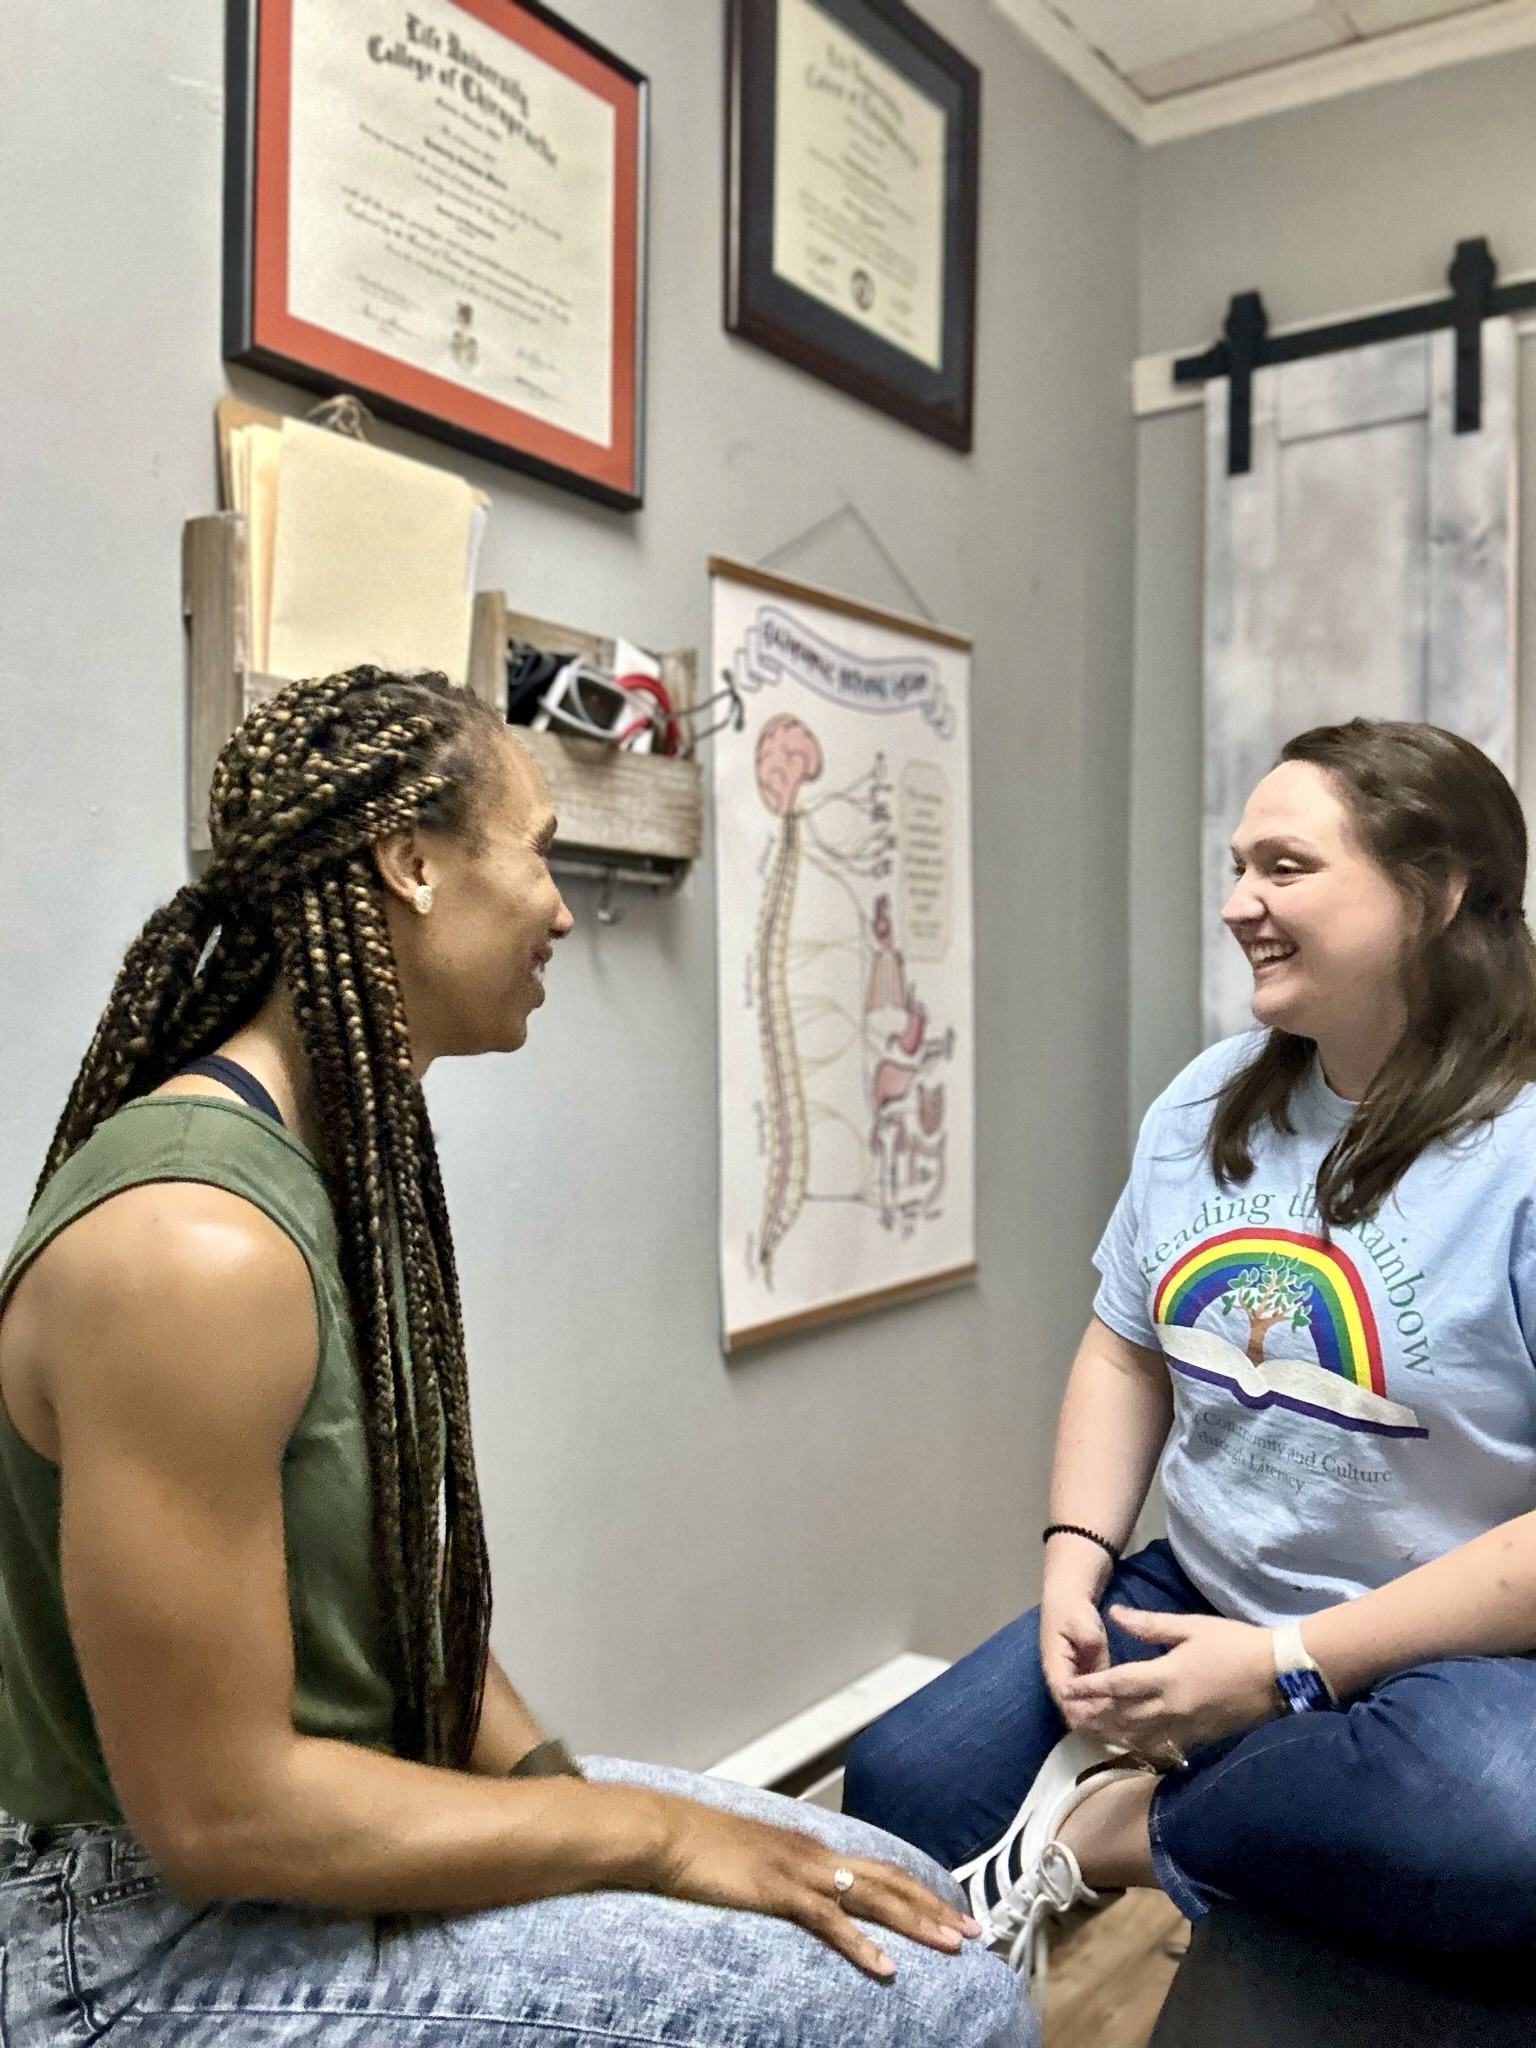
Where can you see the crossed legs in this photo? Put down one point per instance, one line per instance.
(1408, 1819)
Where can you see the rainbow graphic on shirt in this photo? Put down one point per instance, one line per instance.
(1280, 1281)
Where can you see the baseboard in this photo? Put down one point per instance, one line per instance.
(803, 1757)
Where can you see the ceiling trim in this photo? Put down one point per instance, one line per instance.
(1375, 60)
(1046, 29)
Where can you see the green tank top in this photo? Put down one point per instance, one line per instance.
(51, 1767)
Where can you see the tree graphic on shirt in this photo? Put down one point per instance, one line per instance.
(1278, 1291)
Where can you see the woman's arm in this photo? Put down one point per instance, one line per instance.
(507, 1730)
(1479, 1600)
(1114, 1422)
(175, 1326)
(1217, 1677)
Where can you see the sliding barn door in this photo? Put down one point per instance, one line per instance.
(1364, 565)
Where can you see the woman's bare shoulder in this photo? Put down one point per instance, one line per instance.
(158, 1284)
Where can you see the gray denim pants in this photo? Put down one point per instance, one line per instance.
(93, 1948)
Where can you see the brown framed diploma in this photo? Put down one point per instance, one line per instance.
(440, 206)
(853, 165)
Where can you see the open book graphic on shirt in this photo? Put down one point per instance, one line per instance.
(1293, 1383)
(1292, 1289)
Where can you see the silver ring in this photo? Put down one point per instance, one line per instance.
(843, 1881)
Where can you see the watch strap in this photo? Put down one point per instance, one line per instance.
(550, 1759)
(1293, 1659)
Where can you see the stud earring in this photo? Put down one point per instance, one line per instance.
(421, 902)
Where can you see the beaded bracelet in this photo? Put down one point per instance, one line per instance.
(1072, 1529)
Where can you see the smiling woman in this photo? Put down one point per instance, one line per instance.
(1379, 893)
(244, 1585)
(1318, 1307)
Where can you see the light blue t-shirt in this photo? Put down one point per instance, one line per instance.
(1345, 1407)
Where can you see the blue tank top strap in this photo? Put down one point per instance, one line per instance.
(215, 1067)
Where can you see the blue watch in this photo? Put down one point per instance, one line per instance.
(1303, 1692)
(1300, 1684)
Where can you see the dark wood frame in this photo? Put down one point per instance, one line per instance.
(259, 330)
(765, 308)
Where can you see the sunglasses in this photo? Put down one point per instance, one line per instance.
(582, 699)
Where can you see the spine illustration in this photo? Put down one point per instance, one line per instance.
(787, 756)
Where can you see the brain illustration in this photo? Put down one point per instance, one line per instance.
(788, 753)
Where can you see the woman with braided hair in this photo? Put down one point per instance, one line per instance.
(244, 1593)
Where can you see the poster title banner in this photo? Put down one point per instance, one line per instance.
(777, 647)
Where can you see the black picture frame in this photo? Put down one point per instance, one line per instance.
(763, 307)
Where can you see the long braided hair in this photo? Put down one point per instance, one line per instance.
(307, 784)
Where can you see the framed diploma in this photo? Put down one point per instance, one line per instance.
(440, 205)
(851, 222)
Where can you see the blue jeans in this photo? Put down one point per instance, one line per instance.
(93, 1948)
(1408, 1818)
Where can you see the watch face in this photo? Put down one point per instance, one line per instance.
(1303, 1692)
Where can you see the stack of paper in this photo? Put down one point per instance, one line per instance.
(355, 554)
(253, 463)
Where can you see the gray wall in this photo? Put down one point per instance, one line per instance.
(1326, 209)
(685, 1551)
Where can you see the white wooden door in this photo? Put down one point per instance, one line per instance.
(1364, 566)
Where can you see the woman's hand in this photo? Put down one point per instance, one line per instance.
(1216, 1678)
(1073, 1643)
(720, 1859)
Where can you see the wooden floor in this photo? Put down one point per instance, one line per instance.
(1110, 1975)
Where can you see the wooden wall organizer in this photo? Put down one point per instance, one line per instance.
(624, 818)
(628, 817)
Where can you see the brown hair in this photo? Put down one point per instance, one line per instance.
(301, 792)
(1433, 811)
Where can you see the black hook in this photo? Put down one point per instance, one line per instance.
(1472, 276)
(1247, 330)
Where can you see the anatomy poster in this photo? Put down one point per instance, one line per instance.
(843, 889)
